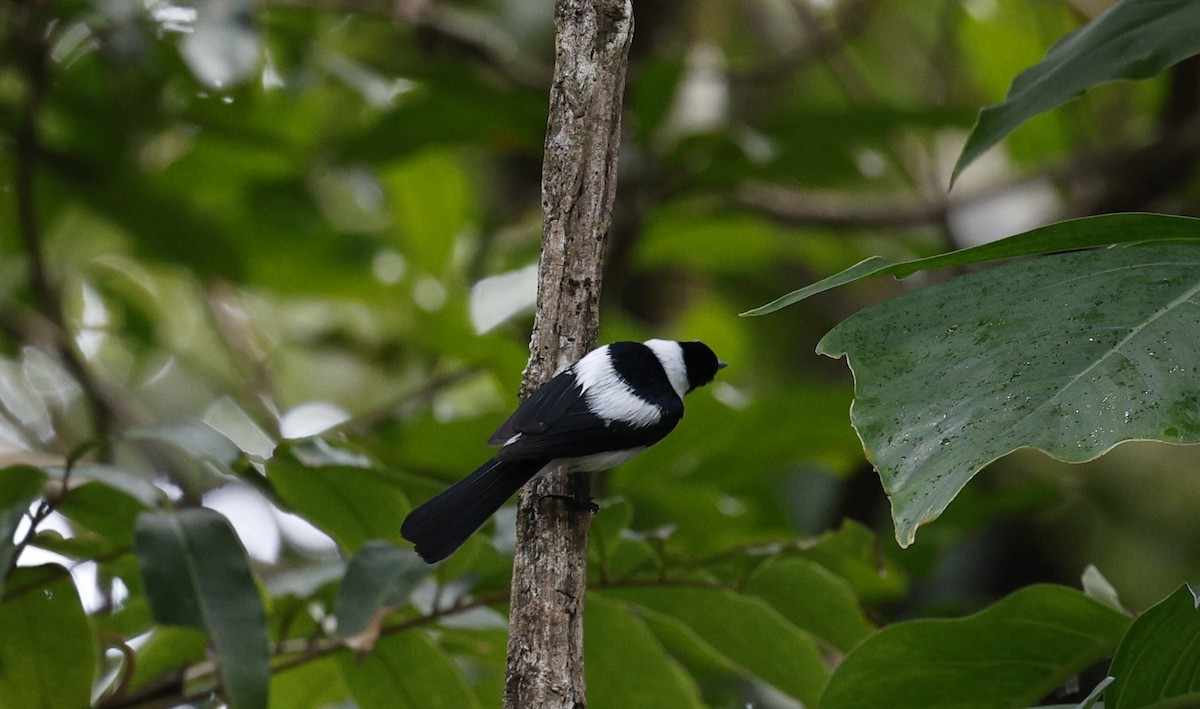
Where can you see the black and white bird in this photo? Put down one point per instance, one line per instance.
(607, 407)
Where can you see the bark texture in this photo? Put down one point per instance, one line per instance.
(579, 173)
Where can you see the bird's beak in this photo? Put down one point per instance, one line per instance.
(722, 364)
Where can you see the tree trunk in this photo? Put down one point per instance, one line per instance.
(545, 642)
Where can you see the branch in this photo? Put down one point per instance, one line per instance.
(167, 690)
(1161, 168)
(31, 36)
(303, 650)
(793, 206)
(1090, 183)
(827, 42)
(466, 32)
(545, 641)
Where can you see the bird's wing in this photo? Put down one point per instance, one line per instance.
(536, 414)
(579, 432)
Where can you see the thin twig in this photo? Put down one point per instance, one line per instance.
(47, 506)
(829, 44)
(793, 206)
(851, 19)
(308, 651)
(797, 207)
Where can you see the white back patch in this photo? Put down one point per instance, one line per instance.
(670, 355)
(608, 396)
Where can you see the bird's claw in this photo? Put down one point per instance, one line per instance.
(579, 503)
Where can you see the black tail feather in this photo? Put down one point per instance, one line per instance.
(443, 523)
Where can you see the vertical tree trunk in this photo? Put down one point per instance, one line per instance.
(545, 643)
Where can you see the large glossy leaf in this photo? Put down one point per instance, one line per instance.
(748, 632)
(626, 664)
(1157, 663)
(813, 599)
(1134, 39)
(1082, 233)
(47, 651)
(1069, 354)
(1010, 654)
(196, 575)
(20, 485)
(407, 670)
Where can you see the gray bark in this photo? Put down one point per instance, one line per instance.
(545, 643)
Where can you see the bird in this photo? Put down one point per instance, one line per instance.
(602, 410)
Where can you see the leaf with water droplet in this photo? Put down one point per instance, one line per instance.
(932, 408)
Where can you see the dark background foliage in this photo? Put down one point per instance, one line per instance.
(266, 281)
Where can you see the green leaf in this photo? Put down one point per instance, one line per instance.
(349, 503)
(406, 669)
(1156, 663)
(607, 528)
(20, 485)
(1100, 589)
(306, 579)
(133, 617)
(194, 438)
(169, 649)
(480, 654)
(1093, 697)
(1069, 354)
(684, 644)
(853, 552)
(1134, 39)
(738, 627)
(312, 685)
(106, 511)
(136, 485)
(196, 575)
(1010, 654)
(47, 650)
(432, 204)
(684, 236)
(626, 665)
(1082, 233)
(813, 599)
(380, 574)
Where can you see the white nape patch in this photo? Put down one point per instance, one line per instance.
(670, 355)
(608, 396)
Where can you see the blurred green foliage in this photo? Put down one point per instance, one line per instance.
(242, 249)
